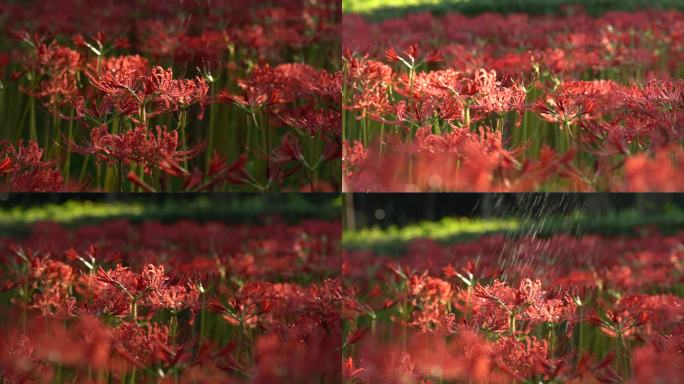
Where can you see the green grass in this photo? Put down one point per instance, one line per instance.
(393, 240)
(395, 8)
(16, 221)
(444, 230)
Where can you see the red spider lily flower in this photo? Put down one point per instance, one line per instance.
(220, 169)
(391, 54)
(439, 162)
(658, 311)
(115, 291)
(313, 122)
(79, 40)
(57, 67)
(528, 302)
(179, 94)
(123, 84)
(153, 277)
(616, 324)
(25, 171)
(520, 358)
(412, 51)
(272, 87)
(37, 180)
(372, 78)
(121, 279)
(352, 157)
(175, 298)
(236, 173)
(564, 110)
(289, 150)
(252, 100)
(51, 283)
(430, 297)
(138, 145)
(144, 345)
(116, 64)
(657, 95)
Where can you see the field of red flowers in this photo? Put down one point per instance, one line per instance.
(199, 95)
(514, 102)
(187, 302)
(504, 309)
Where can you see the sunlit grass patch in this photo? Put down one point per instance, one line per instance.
(17, 219)
(448, 230)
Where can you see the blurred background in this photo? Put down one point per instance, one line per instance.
(394, 8)
(386, 222)
(19, 211)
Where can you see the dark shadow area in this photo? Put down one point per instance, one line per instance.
(402, 209)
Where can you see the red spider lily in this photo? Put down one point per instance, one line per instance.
(25, 170)
(53, 71)
(138, 146)
(125, 85)
(563, 110)
(313, 122)
(235, 172)
(540, 85)
(143, 345)
(530, 332)
(527, 303)
(289, 150)
(138, 65)
(431, 298)
(521, 358)
(151, 317)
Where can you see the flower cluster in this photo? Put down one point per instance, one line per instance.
(22, 169)
(159, 96)
(512, 102)
(151, 301)
(502, 309)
